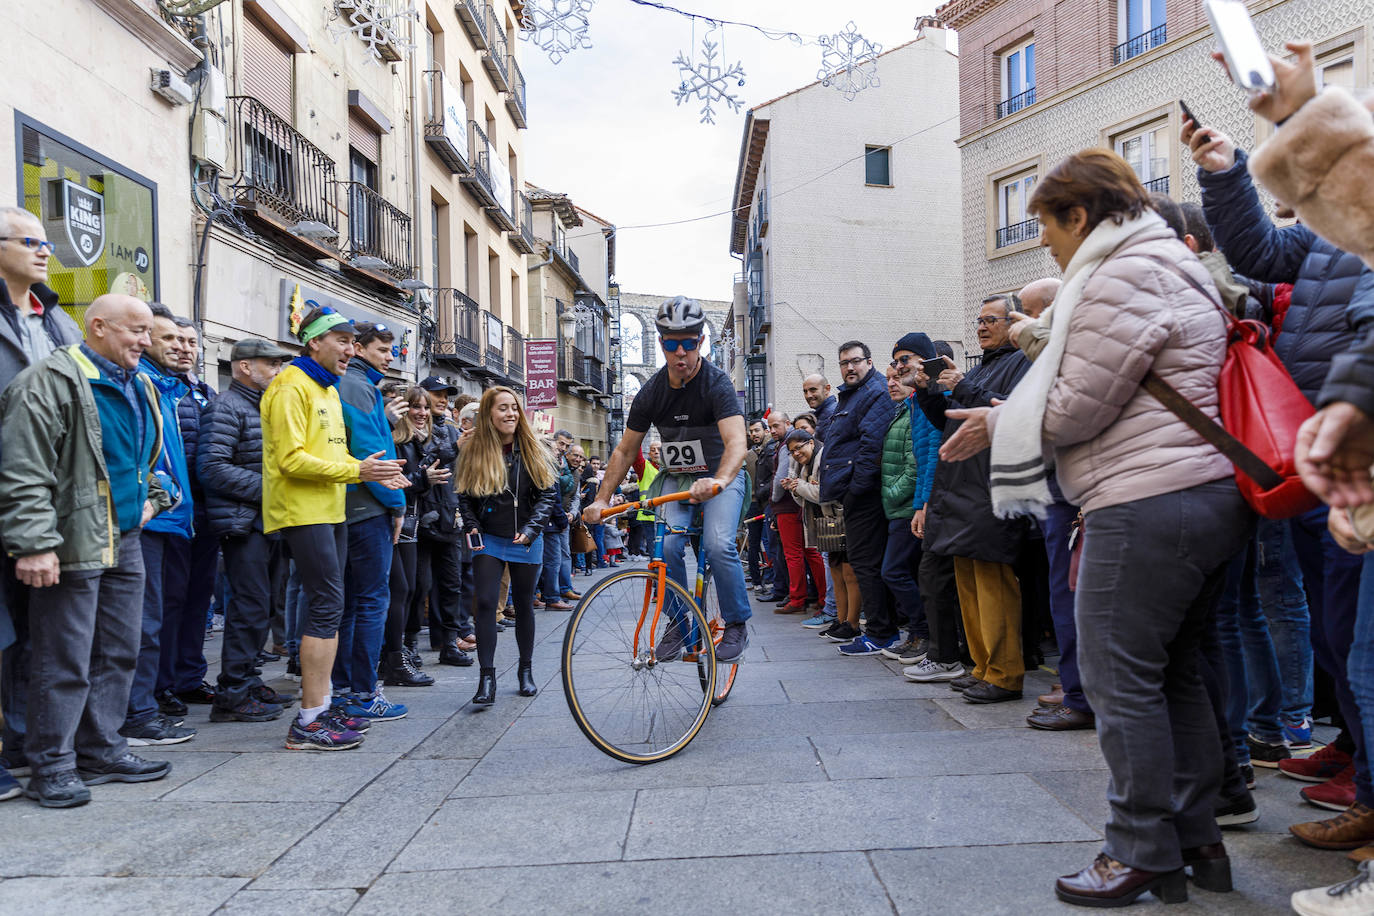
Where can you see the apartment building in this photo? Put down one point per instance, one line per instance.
(845, 220)
(1040, 80)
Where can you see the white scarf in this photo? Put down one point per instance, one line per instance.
(1019, 477)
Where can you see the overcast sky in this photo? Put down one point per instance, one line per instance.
(604, 127)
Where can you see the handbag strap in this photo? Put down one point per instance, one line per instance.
(1238, 452)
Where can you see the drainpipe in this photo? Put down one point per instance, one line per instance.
(416, 127)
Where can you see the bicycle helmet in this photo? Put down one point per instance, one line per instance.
(680, 315)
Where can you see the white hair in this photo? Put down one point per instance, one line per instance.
(9, 214)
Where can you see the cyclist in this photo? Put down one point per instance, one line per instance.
(693, 404)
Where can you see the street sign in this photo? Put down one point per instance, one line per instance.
(541, 374)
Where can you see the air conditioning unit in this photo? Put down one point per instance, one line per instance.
(214, 91)
(210, 141)
(171, 87)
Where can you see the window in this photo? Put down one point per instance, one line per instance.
(436, 252)
(1336, 68)
(632, 385)
(1014, 224)
(362, 212)
(1140, 25)
(1147, 151)
(631, 340)
(1018, 79)
(878, 166)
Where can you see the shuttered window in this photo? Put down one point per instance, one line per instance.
(267, 70)
(364, 138)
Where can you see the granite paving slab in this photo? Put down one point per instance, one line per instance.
(66, 896)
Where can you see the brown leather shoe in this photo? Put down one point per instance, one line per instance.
(1054, 698)
(1060, 719)
(1363, 854)
(572, 595)
(558, 606)
(1211, 867)
(789, 609)
(1351, 829)
(1108, 882)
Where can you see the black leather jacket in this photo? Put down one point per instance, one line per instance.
(521, 508)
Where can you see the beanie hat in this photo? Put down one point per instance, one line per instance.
(917, 343)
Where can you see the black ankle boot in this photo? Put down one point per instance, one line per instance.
(400, 673)
(526, 677)
(411, 647)
(486, 688)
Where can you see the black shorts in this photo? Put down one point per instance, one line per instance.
(320, 552)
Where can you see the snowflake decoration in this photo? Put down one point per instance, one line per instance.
(708, 81)
(849, 62)
(557, 26)
(376, 24)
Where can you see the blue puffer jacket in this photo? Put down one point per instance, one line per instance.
(1333, 292)
(369, 432)
(823, 415)
(852, 460)
(229, 461)
(172, 469)
(925, 445)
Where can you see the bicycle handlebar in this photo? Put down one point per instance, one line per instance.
(651, 503)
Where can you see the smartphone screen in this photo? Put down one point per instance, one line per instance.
(1188, 115)
(1240, 43)
(474, 540)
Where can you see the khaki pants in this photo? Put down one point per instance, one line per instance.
(990, 600)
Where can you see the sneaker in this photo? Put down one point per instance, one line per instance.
(1248, 773)
(203, 694)
(863, 644)
(9, 786)
(1336, 794)
(376, 707)
(266, 695)
(293, 668)
(129, 768)
(668, 647)
(1238, 811)
(927, 671)
(170, 705)
(841, 632)
(1298, 737)
(341, 720)
(894, 652)
(917, 652)
(1347, 898)
(1319, 767)
(157, 730)
(59, 790)
(250, 710)
(819, 622)
(730, 649)
(17, 765)
(321, 735)
(1264, 754)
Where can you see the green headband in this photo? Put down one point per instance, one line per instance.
(323, 325)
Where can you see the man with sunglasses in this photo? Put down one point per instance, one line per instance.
(693, 404)
(34, 327)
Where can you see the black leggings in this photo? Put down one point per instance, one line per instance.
(402, 588)
(486, 573)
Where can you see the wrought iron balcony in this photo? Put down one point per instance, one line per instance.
(473, 14)
(282, 175)
(562, 252)
(446, 122)
(1134, 47)
(1158, 185)
(515, 353)
(478, 179)
(495, 356)
(523, 241)
(515, 100)
(1016, 233)
(496, 57)
(761, 227)
(1016, 103)
(378, 232)
(579, 366)
(460, 328)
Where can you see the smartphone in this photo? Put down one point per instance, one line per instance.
(474, 540)
(933, 367)
(1188, 115)
(1240, 44)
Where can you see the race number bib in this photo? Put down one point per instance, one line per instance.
(686, 457)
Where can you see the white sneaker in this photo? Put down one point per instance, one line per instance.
(929, 672)
(1348, 898)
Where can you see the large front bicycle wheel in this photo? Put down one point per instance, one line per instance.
(710, 607)
(629, 704)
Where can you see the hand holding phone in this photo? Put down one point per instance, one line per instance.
(1246, 60)
(475, 540)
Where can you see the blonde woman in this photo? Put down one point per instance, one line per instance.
(506, 491)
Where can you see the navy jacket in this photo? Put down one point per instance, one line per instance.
(853, 454)
(229, 461)
(823, 415)
(1333, 291)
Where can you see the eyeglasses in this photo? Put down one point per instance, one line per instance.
(856, 361)
(30, 243)
(670, 345)
(901, 362)
(988, 320)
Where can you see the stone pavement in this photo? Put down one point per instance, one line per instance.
(824, 785)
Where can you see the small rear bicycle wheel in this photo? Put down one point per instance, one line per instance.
(630, 705)
(710, 607)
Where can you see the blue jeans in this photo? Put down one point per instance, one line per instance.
(1284, 603)
(185, 611)
(901, 559)
(565, 561)
(1058, 522)
(1252, 674)
(719, 522)
(830, 610)
(1361, 660)
(553, 563)
(367, 598)
(599, 538)
(782, 582)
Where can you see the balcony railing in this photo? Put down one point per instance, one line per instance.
(378, 233)
(515, 353)
(460, 339)
(1016, 103)
(1138, 45)
(523, 240)
(580, 364)
(280, 170)
(446, 122)
(515, 100)
(473, 13)
(1158, 185)
(497, 55)
(1023, 231)
(495, 354)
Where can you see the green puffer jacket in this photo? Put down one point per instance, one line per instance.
(898, 468)
(54, 486)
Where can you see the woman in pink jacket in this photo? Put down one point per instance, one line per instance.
(1163, 515)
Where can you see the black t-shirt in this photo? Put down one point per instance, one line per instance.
(686, 418)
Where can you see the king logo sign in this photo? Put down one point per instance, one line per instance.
(83, 215)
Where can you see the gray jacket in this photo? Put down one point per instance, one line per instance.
(62, 330)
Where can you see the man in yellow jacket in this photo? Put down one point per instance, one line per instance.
(306, 469)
